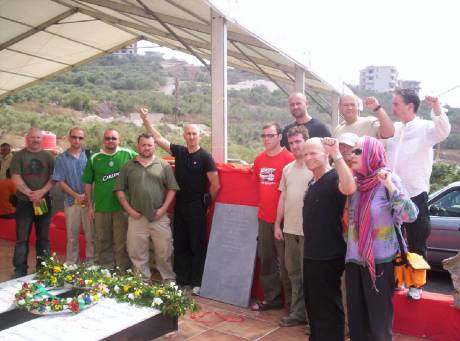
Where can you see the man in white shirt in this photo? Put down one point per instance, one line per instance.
(410, 155)
(378, 126)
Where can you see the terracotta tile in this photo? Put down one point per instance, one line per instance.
(188, 329)
(287, 334)
(248, 328)
(210, 316)
(403, 337)
(214, 335)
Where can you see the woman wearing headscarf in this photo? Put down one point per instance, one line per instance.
(375, 208)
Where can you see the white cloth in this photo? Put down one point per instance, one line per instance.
(410, 151)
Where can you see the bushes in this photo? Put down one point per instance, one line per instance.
(443, 174)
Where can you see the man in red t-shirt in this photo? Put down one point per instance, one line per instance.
(268, 168)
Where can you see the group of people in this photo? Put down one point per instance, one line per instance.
(120, 198)
(331, 210)
(328, 203)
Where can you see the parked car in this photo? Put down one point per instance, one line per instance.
(444, 208)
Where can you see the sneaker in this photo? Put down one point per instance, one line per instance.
(290, 321)
(414, 293)
(196, 291)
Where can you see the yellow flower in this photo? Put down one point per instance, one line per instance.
(138, 292)
(56, 268)
(53, 280)
(126, 288)
(68, 278)
(158, 292)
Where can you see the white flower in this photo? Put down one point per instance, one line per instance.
(129, 271)
(29, 295)
(69, 299)
(48, 308)
(172, 284)
(176, 287)
(179, 292)
(131, 296)
(157, 301)
(21, 302)
(116, 289)
(106, 273)
(44, 263)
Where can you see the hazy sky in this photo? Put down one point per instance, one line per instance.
(337, 38)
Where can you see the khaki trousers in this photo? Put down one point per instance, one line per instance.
(293, 257)
(140, 232)
(111, 229)
(74, 216)
(273, 272)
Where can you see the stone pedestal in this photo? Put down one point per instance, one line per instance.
(452, 265)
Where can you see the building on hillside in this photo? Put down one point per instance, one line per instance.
(131, 49)
(409, 84)
(379, 78)
(384, 79)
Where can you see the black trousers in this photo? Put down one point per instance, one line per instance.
(417, 233)
(24, 219)
(370, 312)
(323, 298)
(189, 242)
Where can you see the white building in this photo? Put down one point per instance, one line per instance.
(130, 49)
(409, 84)
(379, 78)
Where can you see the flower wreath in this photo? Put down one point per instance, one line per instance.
(35, 298)
(97, 282)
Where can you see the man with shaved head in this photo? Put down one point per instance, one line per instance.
(31, 170)
(110, 221)
(379, 126)
(194, 167)
(324, 245)
(298, 106)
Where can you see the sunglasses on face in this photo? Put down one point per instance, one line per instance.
(110, 138)
(357, 151)
(77, 137)
(270, 136)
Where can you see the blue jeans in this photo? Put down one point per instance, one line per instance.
(24, 219)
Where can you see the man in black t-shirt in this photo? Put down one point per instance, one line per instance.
(324, 246)
(194, 166)
(298, 105)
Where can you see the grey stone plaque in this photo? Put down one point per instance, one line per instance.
(231, 254)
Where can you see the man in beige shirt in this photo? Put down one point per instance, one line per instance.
(293, 184)
(379, 126)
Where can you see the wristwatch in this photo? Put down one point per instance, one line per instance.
(337, 157)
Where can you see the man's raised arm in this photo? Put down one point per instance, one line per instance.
(160, 140)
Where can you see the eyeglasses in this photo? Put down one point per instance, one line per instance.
(110, 138)
(77, 137)
(357, 151)
(270, 136)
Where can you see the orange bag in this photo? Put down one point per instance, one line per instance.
(412, 273)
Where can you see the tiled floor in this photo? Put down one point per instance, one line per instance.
(214, 322)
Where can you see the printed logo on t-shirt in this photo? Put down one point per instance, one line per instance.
(110, 176)
(34, 168)
(267, 175)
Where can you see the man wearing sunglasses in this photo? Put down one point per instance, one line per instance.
(68, 171)
(267, 171)
(410, 155)
(379, 126)
(110, 221)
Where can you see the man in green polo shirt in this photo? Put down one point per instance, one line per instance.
(151, 187)
(110, 222)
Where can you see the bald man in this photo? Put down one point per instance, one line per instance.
(194, 167)
(298, 106)
(324, 245)
(31, 170)
(379, 126)
(110, 221)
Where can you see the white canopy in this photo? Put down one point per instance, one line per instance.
(42, 38)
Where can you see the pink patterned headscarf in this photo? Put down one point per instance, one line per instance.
(373, 159)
